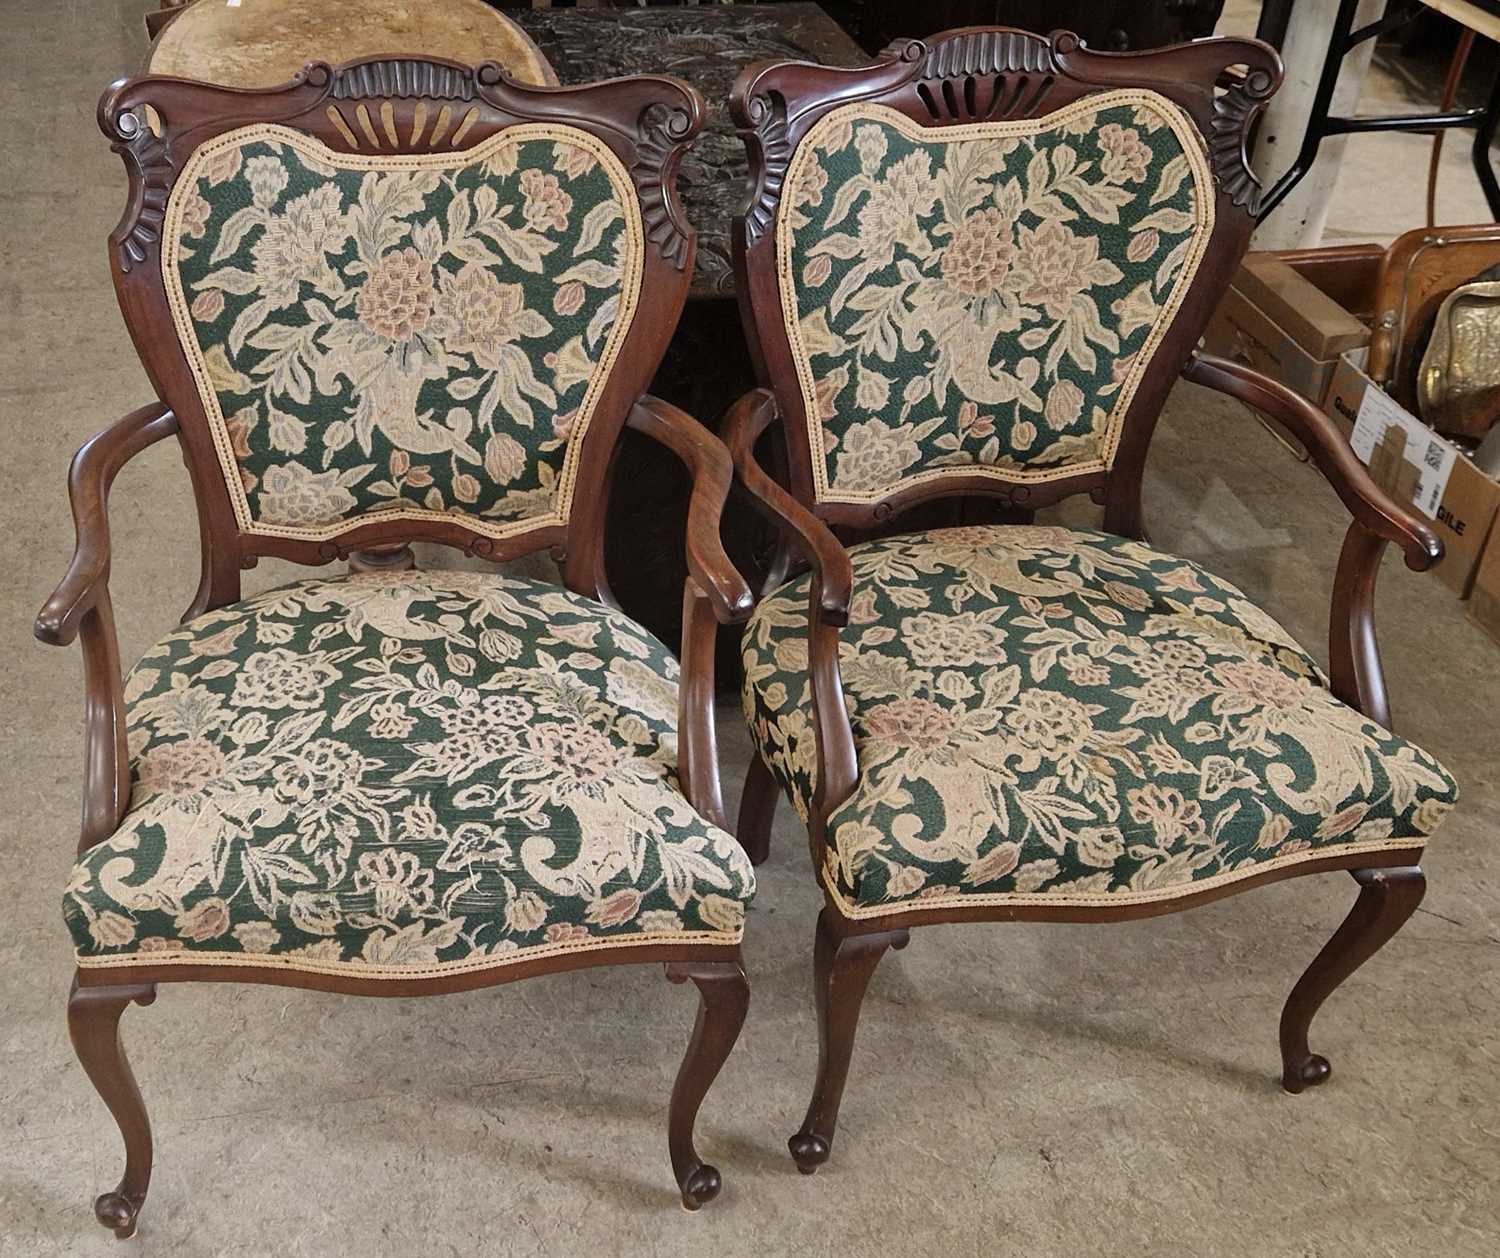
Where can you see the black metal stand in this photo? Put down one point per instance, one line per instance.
(1320, 124)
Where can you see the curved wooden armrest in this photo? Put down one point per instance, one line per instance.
(1355, 673)
(827, 608)
(80, 608)
(708, 461)
(1368, 503)
(747, 419)
(93, 471)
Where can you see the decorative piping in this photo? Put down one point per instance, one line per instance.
(1110, 899)
(630, 287)
(358, 969)
(1187, 135)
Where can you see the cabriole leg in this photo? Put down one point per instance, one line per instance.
(724, 994)
(1387, 897)
(94, 1027)
(842, 966)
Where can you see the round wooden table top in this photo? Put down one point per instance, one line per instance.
(263, 43)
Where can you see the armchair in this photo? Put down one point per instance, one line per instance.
(397, 301)
(974, 270)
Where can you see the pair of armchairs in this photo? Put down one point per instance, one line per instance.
(401, 300)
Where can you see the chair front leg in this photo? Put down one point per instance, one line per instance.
(842, 967)
(1387, 898)
(94, 1027)
(757, 810)
(724, 996)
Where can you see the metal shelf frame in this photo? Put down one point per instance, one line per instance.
(1321, 124)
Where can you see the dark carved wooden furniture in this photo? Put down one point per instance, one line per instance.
(973, 271)
(706, 366)
(400, 783)
(1119, 25)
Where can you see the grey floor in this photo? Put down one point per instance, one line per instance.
(1021, 1090)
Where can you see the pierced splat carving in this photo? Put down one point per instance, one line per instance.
(985, 99)
(372, 124)
(367, 117)
(1234, 110)
(143, 150)
(768, 122)
(996, 74)
(662, 131)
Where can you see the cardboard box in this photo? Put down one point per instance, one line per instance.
(1281, 316)
(1240, 330)
(1349, 274)
(1317, 324)
(1414, 464)
(1484, 605)
(1280, 322)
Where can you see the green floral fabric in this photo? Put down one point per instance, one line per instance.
(384, 773)
(983, 296)
(1039, 711)
(421, 335)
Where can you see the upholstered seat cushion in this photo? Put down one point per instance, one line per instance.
(402, 773)
(1039, 711)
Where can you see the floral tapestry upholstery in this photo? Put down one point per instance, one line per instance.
(984, 298)
(1044, 712)
(408, 334)
(389, 774)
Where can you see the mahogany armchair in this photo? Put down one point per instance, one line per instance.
(397, 301)
(973, 271)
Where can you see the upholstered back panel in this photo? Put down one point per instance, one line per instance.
(411, 334)
(984, 298)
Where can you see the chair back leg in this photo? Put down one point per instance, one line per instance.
(757, 810)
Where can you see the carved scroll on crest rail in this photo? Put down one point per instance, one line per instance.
(150, 163)
(661, 135)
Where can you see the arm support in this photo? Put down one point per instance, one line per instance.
(697, 739)
(1355, 674)
(828, 604)
(80, 608)
(715, 593)
(1354, 671)
(747, 419)
(1368, 503)
(708, 461)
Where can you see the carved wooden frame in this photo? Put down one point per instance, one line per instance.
(981, 74)
(385, 105)
(986, 73)
(388, 107)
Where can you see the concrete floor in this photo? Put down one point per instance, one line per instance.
(1027, 1090)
